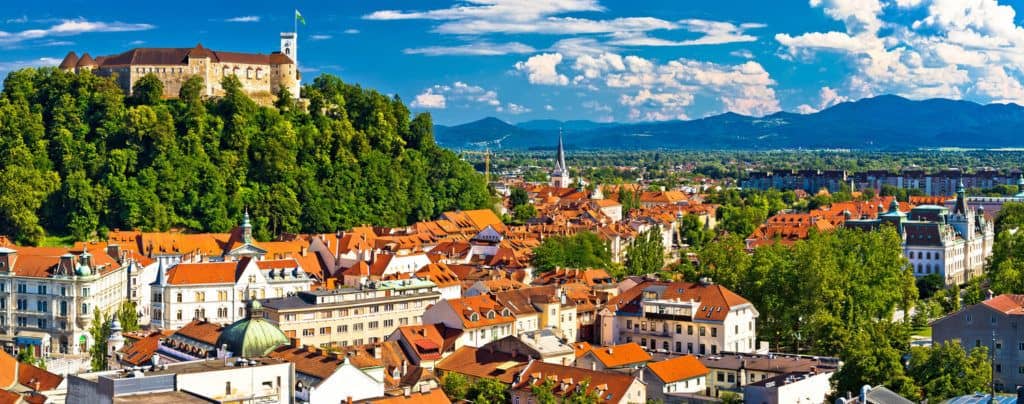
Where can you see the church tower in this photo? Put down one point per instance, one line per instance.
(560, 175)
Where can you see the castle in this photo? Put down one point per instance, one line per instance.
(261, 75)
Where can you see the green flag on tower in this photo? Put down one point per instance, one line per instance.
(298, 17)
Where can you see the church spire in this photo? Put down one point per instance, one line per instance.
(246, 228)
(560, 164)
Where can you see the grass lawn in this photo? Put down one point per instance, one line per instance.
(922, 332)
(57, 241)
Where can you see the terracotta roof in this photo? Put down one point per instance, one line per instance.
(41, 262)
(141, 351)
(70, 61)
(8, 373)
(1007, 304)
(581, 348)
(86, 61)
(310, 361)
(479, 305)
(179, 56)
(36, 378)
(202, 273)
(430, 341)
(439, 273)
(201, 331)
(678, 368)
(610, 387)
(483, 363)
(621, 355)
(715, 300)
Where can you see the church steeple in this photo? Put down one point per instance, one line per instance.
(560, 175)
(246, 228)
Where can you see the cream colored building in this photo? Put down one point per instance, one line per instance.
(48, 296)
(261, 75)
(352, 316)
(218, 291)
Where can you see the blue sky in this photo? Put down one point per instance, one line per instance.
(578, 59)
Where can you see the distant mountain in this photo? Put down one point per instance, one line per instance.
(881, 123)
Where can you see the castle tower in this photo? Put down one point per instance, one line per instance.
(290, 46)
(560, 175)
(114, 343)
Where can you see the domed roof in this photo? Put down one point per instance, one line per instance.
(252, 337)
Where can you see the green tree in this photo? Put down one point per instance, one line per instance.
(694, 231)
(192, 90)
(581, 250)
(518, 197)
(946, 370)
(488, 391)
(128, 316)
(731, 398)
(28, 355)
(455, 386)
(99, 330)
(522, 213)
(543, 392)
(147, 90)
(646, 254)
(582, 395)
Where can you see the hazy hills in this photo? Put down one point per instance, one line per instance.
(881, 123)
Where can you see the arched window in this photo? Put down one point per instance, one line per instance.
(248, 73)
(224, 71)
(236, 70)
(259, 73)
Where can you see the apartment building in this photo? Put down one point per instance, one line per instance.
(480, 318)
(352, 316)
(681, 317)
(48, 296)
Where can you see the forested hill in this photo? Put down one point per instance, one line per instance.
(78, 158)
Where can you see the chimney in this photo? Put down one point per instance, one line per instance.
(405, 368)
(303, 251)
(114, 250)
(376, 350)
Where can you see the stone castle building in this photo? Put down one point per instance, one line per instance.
(262, 75)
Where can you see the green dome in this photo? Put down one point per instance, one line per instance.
(252, 337)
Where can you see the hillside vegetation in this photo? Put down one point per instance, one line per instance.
(77, 157)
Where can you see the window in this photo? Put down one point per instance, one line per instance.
(308, 332)
(342, 328)
(714, 332)
(721, 376)
(178, 297)
(325, 330)
(41, 289)
(41, 306)
(679, 329)
(41, 322)
(63, 308)
(22, 288)
(389, 323)
(85, 308)
(702, 331)
(664, 345)
(22, 304)
(689, 330)
(689, 347)
(85, 292)
(679, 347)
(178, 315)
(200, 296)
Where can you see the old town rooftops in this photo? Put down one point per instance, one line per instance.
(617, 356)
(678, 368)
(610, 387)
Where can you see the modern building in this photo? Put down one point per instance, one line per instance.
(48, 296)
(261, 75)
(681, 317)
(264, 380)
(800, 387)
(995, 324)
(352, 316)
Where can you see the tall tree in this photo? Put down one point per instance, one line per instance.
(99, 330)
(646, 254)
(147, 90)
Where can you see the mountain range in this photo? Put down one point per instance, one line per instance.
(885, 122)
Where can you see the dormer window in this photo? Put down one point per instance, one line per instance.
(474, 317)
(490, 314)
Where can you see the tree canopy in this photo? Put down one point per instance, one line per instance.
(79, 157)
(581, 250)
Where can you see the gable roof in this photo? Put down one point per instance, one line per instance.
(608, 386)
(715, 300)
(202, 273)
(310, 361)
(678, 368)
(483, 363)
(201, 331)
(429, 341)
(618, 356)
(1008, 304)
(480, 305)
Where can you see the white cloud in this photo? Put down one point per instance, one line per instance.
(457, 93)
(715, 33)
(516, 109)
(428, 99)
(476, 17)
(596, 106)
(742, 53)
(351, 31)
(21, 64)
(320, 37)
(828, 97)
(958, 48)
(244, 18)
(137, 42)
(549, 107)
(473, 49)
(577, 46)
(70, 28)
(18, 20)
(542, 69)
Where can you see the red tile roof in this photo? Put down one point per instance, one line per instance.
(202, 273)
(618, 356)
(481, 306)
(1007, 304)
(678, 368)
(715, 300)
(610, 387)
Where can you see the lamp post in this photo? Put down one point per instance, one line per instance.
(992, 397)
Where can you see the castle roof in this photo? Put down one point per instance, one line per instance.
(86, 61)
(180, 56)
(70, 61)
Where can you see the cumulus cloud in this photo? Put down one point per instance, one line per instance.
(828, 97)
(244, 18)
(69, 28)
(473, 49)
(542, 69)
(957, 48)
(428, 99)
(440, 96)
